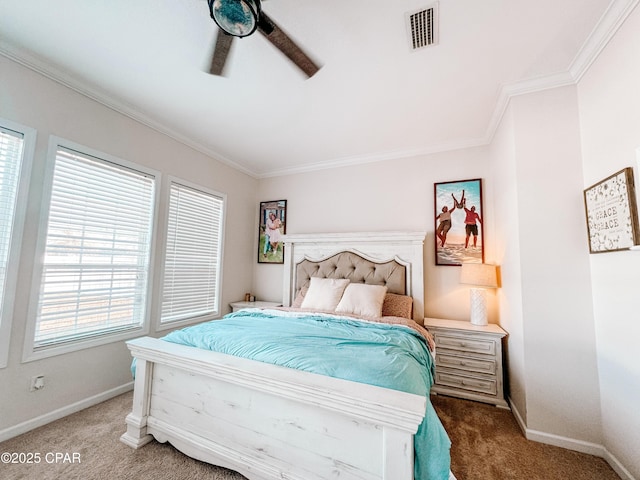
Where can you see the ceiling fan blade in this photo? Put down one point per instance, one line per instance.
(286, 45)
(220, 53)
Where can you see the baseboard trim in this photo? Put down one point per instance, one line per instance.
(571, 444)
(617, 466)
(518, 417)
(565, 442)
(36, 422)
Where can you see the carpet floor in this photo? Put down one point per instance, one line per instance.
(487, 445)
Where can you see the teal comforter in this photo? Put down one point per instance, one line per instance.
(385, 355)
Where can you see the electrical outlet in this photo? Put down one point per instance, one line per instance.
(37, 383)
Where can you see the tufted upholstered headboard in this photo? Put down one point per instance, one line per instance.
(356, 268)
(394, 259)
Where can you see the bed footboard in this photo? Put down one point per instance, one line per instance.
(269, 422)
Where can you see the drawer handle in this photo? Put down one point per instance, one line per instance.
(462, 344)
(459, 381)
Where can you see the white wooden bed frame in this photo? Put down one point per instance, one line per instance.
(269, 422)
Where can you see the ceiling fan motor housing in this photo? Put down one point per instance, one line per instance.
(235, 17)
(240, 18)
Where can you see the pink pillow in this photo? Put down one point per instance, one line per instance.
(397, 306)
(297, 302)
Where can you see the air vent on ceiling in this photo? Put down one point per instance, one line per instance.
(422, 27)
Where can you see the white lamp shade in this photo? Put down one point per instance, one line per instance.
(479, 275)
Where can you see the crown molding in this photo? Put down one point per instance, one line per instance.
(96, 94)
(377, 157)
(508, 91)
(603, 32)
(605, 29)
(607, 26)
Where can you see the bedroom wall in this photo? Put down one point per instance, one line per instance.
(507, 253)
(610, 119)
(558, 335)
(29, 98)
(392, 195)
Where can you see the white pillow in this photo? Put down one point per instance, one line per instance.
(361, 299)
(324, 293)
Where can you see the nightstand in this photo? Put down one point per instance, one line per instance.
(469, 361)
(235, 306)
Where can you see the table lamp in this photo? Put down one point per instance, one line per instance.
(481, 276)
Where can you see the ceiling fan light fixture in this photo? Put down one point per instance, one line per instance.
(235, 17)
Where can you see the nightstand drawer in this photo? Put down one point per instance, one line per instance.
(467, 383)
(468, 360)
(466, 363)
(464, 344)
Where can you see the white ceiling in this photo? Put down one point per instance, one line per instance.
(373, 98)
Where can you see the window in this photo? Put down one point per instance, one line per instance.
(191, 280)
(11, 148)
(97, 249)
(14, 145)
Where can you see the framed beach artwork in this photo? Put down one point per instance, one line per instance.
(459, 220)
(271, 227)
(612, 213)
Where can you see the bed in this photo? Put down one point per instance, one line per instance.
(294, 418)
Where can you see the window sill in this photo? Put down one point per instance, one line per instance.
(32, 354)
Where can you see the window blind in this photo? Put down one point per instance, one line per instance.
(192, 262)
(11, 150)
(97, 252)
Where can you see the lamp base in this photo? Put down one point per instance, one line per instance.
(478, 306)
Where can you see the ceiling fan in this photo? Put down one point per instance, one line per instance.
(241, 18)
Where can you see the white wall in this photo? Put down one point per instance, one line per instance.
(507, 253)
(609, 96)
(35, 101)
(560, 367)
(393, 195)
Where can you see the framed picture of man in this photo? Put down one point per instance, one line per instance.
(271, 227)
(459, 231)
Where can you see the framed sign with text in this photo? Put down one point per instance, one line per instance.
(612, 213)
